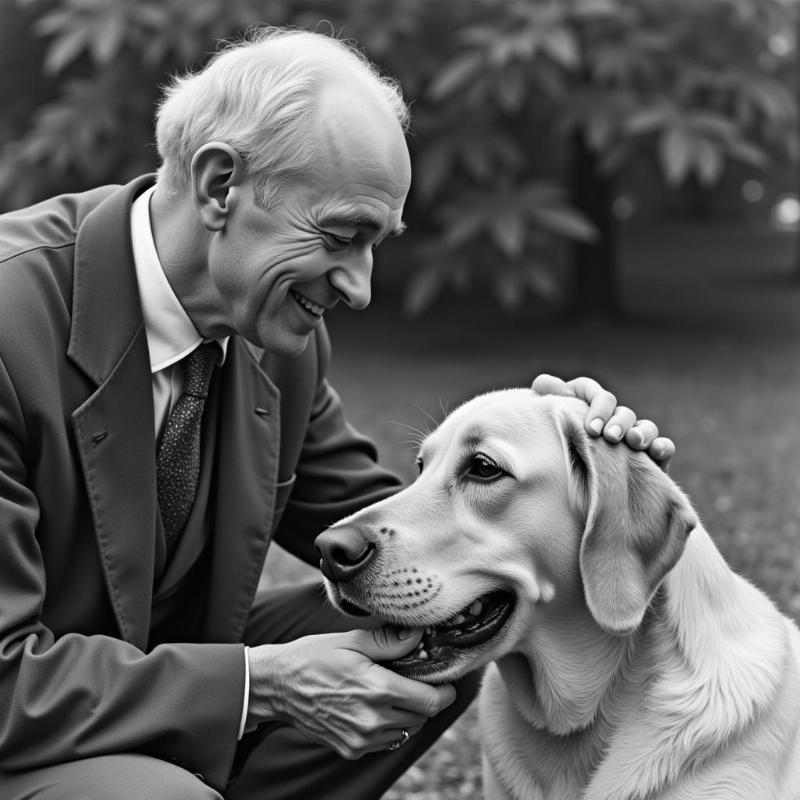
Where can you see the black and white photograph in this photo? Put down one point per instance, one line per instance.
(399, 399)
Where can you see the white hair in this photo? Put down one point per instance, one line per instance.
(259, 96)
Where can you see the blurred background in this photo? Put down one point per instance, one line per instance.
(601, 187)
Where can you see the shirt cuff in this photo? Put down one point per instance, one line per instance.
(246, 698)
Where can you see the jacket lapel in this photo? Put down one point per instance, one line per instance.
(114, 430)
(114, 427)
(248, 453)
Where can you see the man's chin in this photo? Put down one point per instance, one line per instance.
(286, 346)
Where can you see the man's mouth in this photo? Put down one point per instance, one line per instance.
(307, 305)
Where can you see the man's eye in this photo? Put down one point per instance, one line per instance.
(334, 242)
(482, 468)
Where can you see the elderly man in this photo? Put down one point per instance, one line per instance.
(164, 414)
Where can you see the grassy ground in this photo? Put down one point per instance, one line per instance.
(711, 352)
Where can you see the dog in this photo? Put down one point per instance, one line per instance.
(628, 661)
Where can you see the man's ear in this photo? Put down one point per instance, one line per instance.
(216, 171)
(637, 523)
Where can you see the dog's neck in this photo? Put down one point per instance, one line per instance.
(706, 628)
(569, 670)
(570, 673)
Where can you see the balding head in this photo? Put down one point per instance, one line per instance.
(264, 98)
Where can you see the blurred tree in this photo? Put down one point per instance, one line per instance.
(526, 112)
(692, 84)
(108, 58)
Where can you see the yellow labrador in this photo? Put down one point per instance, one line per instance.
(631, 663)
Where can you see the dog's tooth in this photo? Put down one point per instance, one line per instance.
(476, 608)
(423, 654)
(458, 619)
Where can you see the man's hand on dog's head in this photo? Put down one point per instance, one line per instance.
(604, 417)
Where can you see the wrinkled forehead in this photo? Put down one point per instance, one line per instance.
(508, 420)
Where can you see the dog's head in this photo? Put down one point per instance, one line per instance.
(516, 516)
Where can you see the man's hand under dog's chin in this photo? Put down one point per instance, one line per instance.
(333, 690)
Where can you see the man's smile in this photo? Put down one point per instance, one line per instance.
(310, 306)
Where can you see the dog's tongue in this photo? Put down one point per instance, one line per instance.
(472, 626)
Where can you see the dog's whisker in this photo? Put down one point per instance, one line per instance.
(418, 436)
(433, 421)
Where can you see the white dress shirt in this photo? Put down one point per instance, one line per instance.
(170, 336)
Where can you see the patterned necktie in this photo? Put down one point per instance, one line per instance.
(178, 462)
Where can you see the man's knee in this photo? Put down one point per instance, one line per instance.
(115, 777)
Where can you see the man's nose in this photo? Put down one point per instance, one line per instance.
(353, 282)
(344, 552)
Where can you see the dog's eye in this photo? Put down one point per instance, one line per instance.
(482, 468)
(418, 462)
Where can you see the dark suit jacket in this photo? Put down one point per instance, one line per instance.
(78, 518)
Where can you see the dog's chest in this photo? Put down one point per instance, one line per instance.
(527, 762)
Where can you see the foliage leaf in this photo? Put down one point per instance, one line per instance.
(509, 233)
(561, 45)
(109, 39)
(675, 154)
(423, 288)
(64, 50)
(649, 119)
(509, 289)
(510, 90)
(433, 165)
(566, 222)
(453, 76)
(747, 153)
(710, 161)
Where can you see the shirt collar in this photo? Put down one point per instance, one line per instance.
(170, 333)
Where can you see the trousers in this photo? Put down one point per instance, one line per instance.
(272, 763)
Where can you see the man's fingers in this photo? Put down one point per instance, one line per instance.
(602, 404)
(644, 436)
(384, 643)
(387, 643)
(420, 698)
(641, 435)
(406, 719)
(397, 735)
(604, 417)
(550, 384)
(661, 451)
(618, 425)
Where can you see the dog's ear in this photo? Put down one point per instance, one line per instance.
(637, 523)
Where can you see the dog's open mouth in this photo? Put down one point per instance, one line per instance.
(474, 625)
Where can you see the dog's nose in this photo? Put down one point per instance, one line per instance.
(344, 552)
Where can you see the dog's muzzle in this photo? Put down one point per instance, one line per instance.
(344, 553)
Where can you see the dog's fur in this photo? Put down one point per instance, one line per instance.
(635, 664)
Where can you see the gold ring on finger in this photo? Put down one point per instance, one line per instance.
(398, 743)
